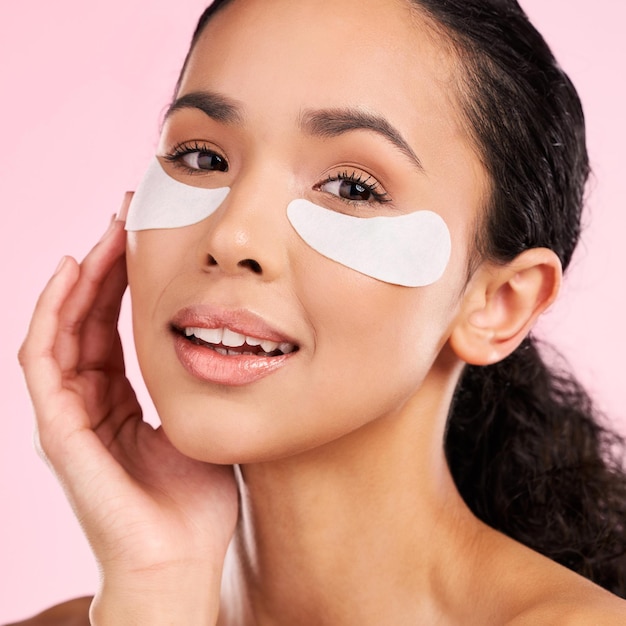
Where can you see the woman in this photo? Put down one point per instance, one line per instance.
(327, 373)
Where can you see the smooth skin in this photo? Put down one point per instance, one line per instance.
(341, 509)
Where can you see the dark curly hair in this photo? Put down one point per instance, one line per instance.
(528, 453)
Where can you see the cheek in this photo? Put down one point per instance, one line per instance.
(375, 343)
(154, 260)
(372, 344)
(142, 281)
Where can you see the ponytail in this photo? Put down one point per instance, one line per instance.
(530, 460)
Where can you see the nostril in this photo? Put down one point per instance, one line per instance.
(251, 264)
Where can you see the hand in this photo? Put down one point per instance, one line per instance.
(156, 520)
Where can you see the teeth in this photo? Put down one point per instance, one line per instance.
(232, 339)
(208, 335)
(269, 346)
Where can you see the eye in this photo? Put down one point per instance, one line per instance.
(197, 158)
(354, 187)
(209, 161)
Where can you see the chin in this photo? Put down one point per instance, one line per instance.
(228, 435)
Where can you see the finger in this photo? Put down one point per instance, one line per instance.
(128, 196)
(59, 411)
(102, 325)
(42, 372)
(99, 329)
(101, 345)
(94, 270)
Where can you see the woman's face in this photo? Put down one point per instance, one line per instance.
(358, 348)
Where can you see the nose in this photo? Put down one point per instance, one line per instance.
(246, 235)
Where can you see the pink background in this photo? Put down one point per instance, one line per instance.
(84, 85)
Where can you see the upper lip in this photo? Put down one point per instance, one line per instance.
(241, 321)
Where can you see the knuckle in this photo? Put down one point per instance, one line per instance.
(47, 448)
(40, 447)
(23, 354)
(71, 327)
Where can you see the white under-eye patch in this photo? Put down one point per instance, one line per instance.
(163, 202)
(411, 250)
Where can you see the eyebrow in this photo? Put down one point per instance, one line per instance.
(334, 122)
(317, 122)
(215, 105)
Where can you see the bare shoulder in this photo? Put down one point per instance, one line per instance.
(71, 613)
(582, 605)
(526, 588)
(574, 614)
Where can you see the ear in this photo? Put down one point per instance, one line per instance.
(501, 303)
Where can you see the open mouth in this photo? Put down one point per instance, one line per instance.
(230, 343)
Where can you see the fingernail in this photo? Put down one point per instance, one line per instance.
(110, 227)
(121, 216)
(60, 265)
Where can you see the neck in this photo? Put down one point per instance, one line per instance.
(373, 516)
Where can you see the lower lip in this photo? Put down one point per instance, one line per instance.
(211, 366)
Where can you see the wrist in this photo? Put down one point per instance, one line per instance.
(184, 596)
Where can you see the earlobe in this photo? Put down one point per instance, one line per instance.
(501, 304)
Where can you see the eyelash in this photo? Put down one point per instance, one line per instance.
(175, 156)
(357, 178)
(368, 182)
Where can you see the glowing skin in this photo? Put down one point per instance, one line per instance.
(365, 348)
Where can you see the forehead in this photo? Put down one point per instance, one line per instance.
(377, 54)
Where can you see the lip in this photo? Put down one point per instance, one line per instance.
(208, 365)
